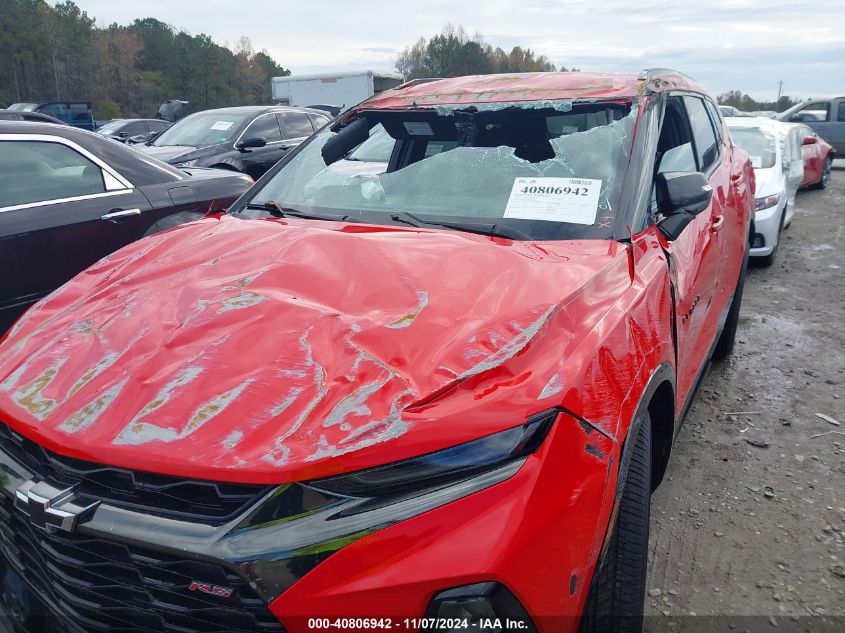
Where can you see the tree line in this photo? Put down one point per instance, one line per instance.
(746, 103)
(57, 53)
(452, 53)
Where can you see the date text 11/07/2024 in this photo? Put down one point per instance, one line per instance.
(418, 624)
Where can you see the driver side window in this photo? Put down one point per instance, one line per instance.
(674, 146)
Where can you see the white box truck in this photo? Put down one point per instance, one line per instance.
(342, 90)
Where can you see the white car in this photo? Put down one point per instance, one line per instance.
(775, 152)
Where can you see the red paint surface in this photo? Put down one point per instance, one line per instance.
(500, 534)
(814, 156)
(518, 87)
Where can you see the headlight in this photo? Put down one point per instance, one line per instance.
(301, 524)
(765, 203)
(452, 464)
(187, 163)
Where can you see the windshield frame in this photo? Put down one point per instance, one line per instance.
(619, 230)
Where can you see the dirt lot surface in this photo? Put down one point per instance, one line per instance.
(750, 520)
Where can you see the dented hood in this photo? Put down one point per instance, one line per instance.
(264, 350)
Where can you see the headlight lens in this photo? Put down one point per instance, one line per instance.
(765, 203)
(452, 464)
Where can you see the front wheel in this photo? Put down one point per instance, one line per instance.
(617, 592)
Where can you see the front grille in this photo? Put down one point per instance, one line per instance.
(93, 584)
(213, 503)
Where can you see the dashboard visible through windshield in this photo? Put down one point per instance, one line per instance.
(543, 170)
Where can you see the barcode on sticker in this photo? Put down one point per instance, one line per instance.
(575, 181)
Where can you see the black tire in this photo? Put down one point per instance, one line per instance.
(768, 260)
(727, 339)
(617, 592)
(824, 180)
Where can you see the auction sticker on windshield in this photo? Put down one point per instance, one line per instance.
(573, 200)
(222, 125)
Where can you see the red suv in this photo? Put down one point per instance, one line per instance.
(424, 375)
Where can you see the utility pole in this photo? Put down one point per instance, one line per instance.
(780, 91)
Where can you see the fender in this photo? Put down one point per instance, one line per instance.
(662, 373)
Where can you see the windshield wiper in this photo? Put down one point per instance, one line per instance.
(276, 210)
(496, 230)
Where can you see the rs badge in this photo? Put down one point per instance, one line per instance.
(214, 590)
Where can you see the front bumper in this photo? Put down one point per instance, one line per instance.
(538, 533)
(766, 225)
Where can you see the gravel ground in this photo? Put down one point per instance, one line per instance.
(748, 528)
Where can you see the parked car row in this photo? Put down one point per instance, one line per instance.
(785, 157)
(69, 197)
(249, 139)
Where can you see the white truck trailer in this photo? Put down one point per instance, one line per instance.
(343, 90)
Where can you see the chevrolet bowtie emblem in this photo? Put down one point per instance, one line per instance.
(50, 508)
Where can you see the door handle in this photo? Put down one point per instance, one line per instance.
(717, 223)
(117, 214)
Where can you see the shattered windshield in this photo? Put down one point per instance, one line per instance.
(549, 170)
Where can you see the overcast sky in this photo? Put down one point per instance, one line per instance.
(747, 45)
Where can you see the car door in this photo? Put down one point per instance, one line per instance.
(61, 209)
(257, 160)
(688, 143)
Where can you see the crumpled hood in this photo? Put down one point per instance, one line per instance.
(261, 350)
(177, 153)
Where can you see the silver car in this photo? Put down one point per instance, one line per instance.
(775, 152)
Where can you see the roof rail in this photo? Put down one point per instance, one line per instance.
(655, 73)
(416, 82)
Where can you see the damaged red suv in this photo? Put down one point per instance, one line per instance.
(424, 375)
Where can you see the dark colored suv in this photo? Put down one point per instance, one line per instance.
(249, 139)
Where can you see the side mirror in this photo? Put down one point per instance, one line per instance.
(123, 134)
(345, 140)
(252, 142)
(681, 196)
(809, 140)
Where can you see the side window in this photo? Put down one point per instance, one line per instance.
(818, 112)
(319, 121)
(38, 171)
(674, 147)
(715, 119)
(138, 127)
(840, 117)
(297, 124)
(264, 126)
(702, 132)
